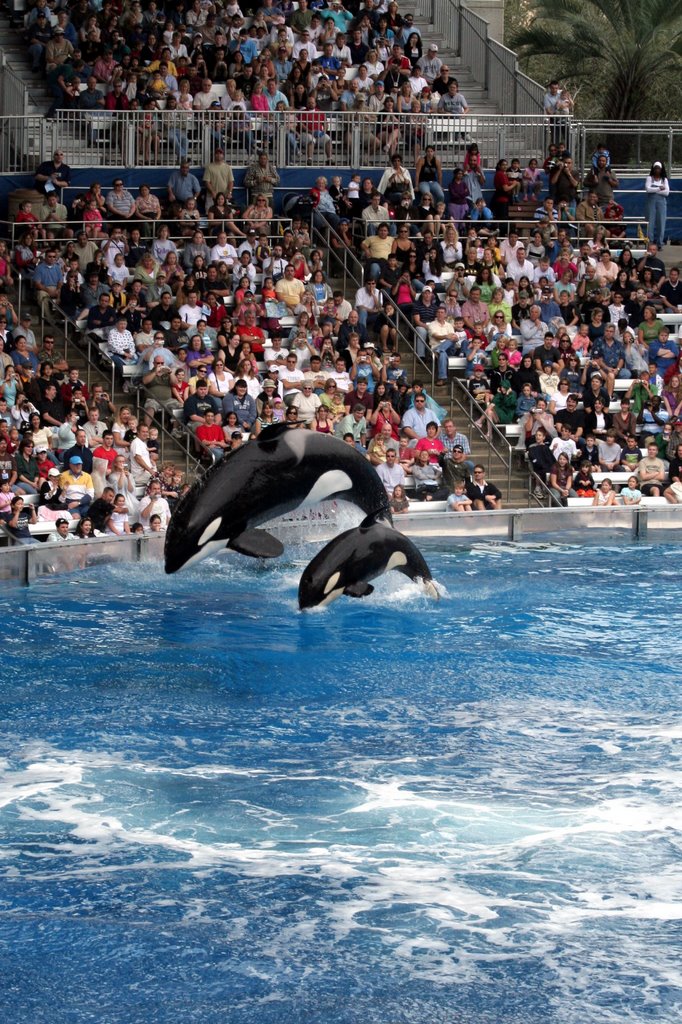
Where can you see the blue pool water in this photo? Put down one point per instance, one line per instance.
(216, 809)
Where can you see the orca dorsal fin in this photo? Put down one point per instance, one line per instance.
(382, 516)
(269, 435)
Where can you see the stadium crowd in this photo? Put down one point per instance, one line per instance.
(224, 317)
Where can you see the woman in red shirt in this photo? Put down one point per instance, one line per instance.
(504, 191)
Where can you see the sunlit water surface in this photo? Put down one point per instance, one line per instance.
(216, 809)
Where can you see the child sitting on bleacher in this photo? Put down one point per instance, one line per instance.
(631, 493)
(459, 500)
(5, 497)
(583, 481)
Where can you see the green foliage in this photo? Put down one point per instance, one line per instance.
(626, 55)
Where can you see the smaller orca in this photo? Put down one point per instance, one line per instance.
(347, 563)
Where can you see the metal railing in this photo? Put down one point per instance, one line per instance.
(636, 226)
(499, 449)
(12, 231)
(15, 96)
(356, 138)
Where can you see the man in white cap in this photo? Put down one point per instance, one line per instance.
(430, 64)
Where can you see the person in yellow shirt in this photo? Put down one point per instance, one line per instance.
(289, 289)
(77, 487)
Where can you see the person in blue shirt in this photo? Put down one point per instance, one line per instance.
(247, 46)
(182, 185)
(240, 402)
(608, 355)
(548, 307)
(330, 64)
(47, 279)
(282, 64)
(274, 95)
(337, 13)
(663, 351)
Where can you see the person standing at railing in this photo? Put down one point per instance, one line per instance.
(429, 175)
(557, 104)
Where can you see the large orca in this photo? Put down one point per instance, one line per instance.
(280, 470)
(347, 563)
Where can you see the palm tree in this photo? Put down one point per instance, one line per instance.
(622, 51)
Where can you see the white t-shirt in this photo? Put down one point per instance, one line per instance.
(138, 447)
(288, 376)
(191, 315)
(226, 253)
(159, 507)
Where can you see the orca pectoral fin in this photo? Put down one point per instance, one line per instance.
(431, 589)
(257, 544)
(359, 589)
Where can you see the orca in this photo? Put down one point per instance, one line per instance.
(280, 470)
(347, 563)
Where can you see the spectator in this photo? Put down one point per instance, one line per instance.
(485, 496)
(77, 487)
(142, 466)
(182, 185)
(261, 176)
(47, 281)
(154, 504)
(53, 174)
(120, 203)
(657, 189)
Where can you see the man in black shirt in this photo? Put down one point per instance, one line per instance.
(573, 417)
(165, 311)
(52, 412)
(81, 449)
(441, 84)
(653, 262)
(671, 291)
(101, 316)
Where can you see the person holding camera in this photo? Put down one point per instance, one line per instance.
(564, 182)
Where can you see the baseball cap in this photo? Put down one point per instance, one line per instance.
(42, 448)
(268, 384)
(75, 460)
(53, 472)
(61, 521)
(433, 47)
(478, 366)
(458, 448)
